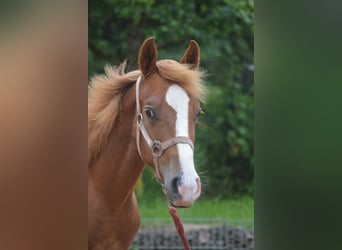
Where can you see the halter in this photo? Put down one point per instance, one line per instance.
(157, 147)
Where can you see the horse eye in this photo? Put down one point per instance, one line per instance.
(149, 113)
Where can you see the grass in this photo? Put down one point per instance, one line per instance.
(153, 204)
(235, 208)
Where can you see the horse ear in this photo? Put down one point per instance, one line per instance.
(148, 57)
(192, 55)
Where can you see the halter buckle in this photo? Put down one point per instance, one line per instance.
(139, 119)
(156, 148)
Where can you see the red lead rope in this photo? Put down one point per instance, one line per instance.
(179, 227)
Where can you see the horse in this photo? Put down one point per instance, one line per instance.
(143, 117)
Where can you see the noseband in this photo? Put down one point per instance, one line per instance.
(157, 147)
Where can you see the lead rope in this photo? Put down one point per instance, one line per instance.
(179, 227)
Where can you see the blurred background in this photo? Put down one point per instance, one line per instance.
(224, 30)
(43, 124)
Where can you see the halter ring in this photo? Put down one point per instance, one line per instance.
(156, 148)
(139, 119)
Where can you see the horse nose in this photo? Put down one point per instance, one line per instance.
(193, 191)
(178, 188)
(175, 183)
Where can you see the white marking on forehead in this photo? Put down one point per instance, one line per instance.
(178, 99)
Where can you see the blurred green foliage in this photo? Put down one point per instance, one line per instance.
(224, 29)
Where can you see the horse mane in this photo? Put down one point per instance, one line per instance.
(105, 93)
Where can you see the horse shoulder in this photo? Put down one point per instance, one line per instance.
(111, 228)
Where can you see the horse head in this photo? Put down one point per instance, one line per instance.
(168, 106)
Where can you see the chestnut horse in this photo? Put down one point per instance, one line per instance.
(142, 117)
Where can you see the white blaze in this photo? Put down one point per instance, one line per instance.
(178, 99)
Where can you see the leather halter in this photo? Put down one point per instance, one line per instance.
(157, 147)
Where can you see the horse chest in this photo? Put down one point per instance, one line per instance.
(113, 228)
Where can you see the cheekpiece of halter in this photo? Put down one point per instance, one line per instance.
(156, 148)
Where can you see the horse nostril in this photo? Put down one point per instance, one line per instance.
(175, 183)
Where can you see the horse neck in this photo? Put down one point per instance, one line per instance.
(119, 166)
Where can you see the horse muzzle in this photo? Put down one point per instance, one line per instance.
(182, 194)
